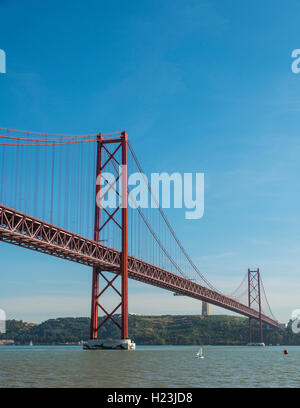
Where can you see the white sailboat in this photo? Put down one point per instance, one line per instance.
(30, 344)
(200, 352)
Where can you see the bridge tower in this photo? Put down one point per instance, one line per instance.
(111, 147)
(254, 297)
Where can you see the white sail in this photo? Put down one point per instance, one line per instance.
(200, 352)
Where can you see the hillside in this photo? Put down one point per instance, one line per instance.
(149, 330)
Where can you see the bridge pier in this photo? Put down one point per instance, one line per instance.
(119, 344)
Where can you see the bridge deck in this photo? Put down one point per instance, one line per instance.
(21, 229)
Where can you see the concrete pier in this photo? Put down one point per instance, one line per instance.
(257, 344)
(119, 344)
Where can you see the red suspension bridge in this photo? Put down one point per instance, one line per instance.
(52, 194)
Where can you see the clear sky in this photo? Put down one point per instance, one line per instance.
(200, 86)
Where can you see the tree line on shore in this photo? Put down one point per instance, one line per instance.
(151, 330)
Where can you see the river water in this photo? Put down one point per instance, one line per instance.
(153, 366)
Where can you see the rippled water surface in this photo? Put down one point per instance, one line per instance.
(155, 366)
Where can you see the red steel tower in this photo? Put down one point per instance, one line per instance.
(254, 296)
(111, 147)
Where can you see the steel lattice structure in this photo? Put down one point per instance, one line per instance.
(254, 297)
(21, 229)
(116, 145)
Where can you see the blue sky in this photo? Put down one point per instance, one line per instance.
(200, 86)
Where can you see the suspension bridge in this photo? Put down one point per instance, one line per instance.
(52, 200)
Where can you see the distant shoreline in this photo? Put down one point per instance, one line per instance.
(165, 330)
